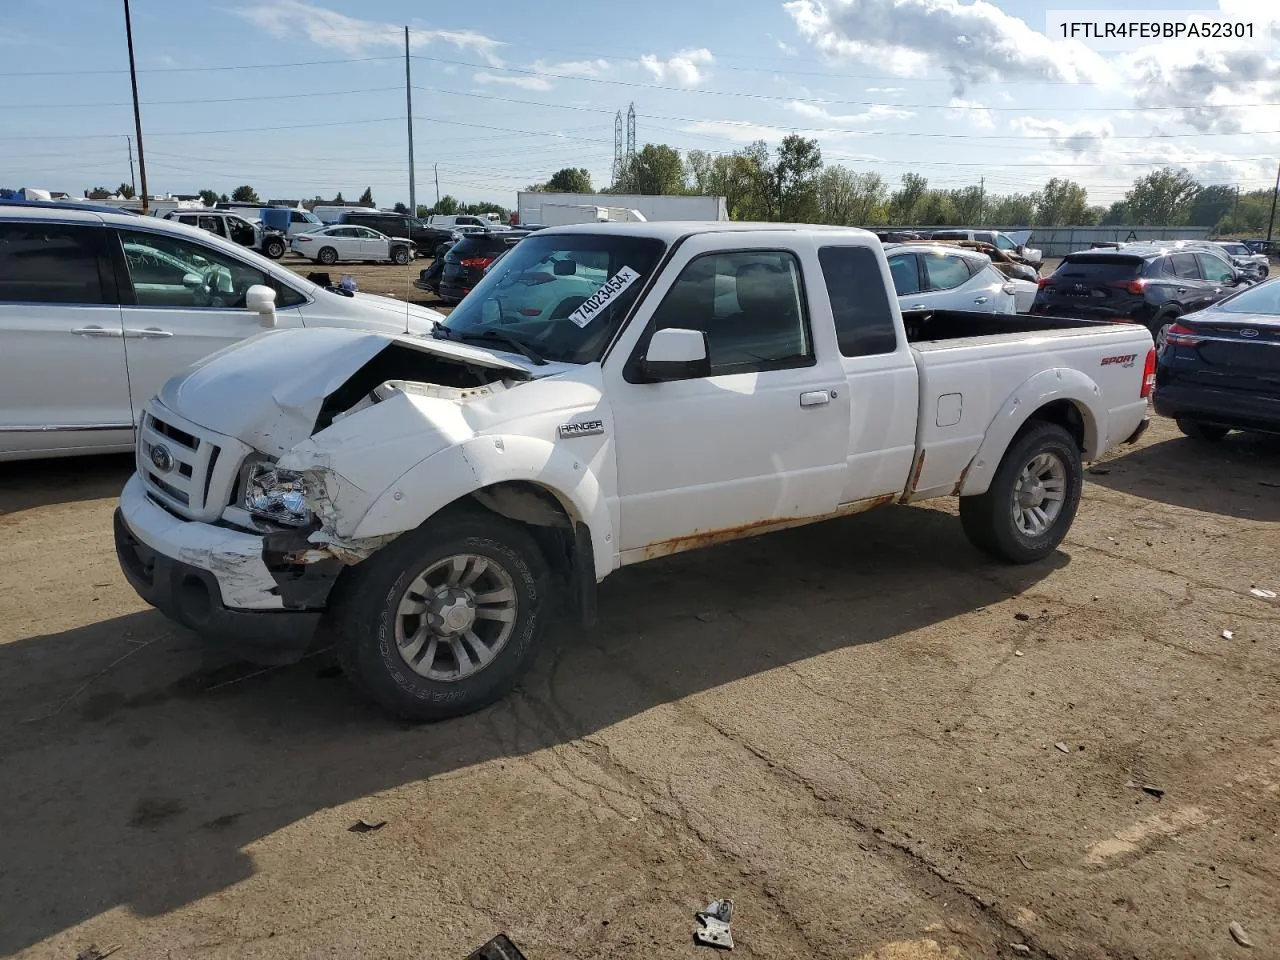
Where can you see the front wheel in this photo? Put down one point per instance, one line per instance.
(1201, 431)
(400, 256)
(445, 619)
(274, 249)
(1032, 500)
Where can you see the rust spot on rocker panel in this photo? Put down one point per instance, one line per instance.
(665, 548)
(964, 475)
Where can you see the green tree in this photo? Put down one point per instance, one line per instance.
(795, 172)
(752, 166)
(967, 205)
(1061, 203)
(847, 198)
(1248, 217)
(97, 193)
(1093, 216)
(904, 200)
(338, 198)
(400, 207)
(1161, 198)
(245, 194)
(125, 191)
(1012, 210)
(1211, 205)
(936, 208)
(656, 170)
(446, 206)
(366, 198)
(1115, 215)
(208, 197)
(570, 180)
(224, 199)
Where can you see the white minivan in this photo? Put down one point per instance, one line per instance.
(99, 308)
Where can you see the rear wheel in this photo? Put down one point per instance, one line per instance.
(328, 256)
(1032, 500)
(1201, 431)
(1160, 328)
(445, 619)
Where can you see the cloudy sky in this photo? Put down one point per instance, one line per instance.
(300, 98)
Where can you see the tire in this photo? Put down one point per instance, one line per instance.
(1160, 326)
(400, 256)
(274, 248)
(997, 526)
(1203, 432)
(372, 630)
(328, 256)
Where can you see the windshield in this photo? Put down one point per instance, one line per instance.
(561, 296)
(1264, 298)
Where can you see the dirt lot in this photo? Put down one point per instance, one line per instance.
(385, 279)
(850, 729)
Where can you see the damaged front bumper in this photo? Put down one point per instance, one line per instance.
(247, 592)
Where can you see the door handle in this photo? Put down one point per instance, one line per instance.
(1182, 290)
(980, 299)
(916, 306)
(815, 398)
(150, 333)
(95, 332)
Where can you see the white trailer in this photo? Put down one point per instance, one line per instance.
(564, 214)
(530, 203)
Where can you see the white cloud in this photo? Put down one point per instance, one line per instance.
(739, 131)
(1206, 87)
(513, 80)
(889, 91)
(970, 42)
(573, 68)
(787, 49)
(1086, 137)
(684, 68)
(978, 114)
(877, 112)
(289, 19)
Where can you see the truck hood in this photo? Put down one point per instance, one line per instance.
(268, 391)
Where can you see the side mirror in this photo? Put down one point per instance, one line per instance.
(192, 281)
(676, 354)
(261, 300)
(1021, 249)
(1009, 288)
(566, 268)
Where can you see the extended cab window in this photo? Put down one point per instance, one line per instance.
(859, 301)
(51, 263)
(174, 272)
(750, 306)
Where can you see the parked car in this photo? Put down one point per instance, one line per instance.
(344, 243)
(934, 277)
(233, 227)
(1010, 242)
(1259, 245)
(99, 308)
(465, 261)
(1219, 369)
(288, 220)
(438, 500)
(1150, 285)
(425, 238)
(1256, 266)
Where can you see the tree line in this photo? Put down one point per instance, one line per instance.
(791, 183)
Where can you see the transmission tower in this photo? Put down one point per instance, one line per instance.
(617, 148)
(631, 133)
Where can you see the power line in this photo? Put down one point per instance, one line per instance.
(241, 66)
(161, 103)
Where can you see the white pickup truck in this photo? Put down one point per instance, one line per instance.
(610, 394)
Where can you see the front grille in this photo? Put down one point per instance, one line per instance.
(186, 469)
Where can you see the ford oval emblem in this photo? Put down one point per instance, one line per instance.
(161, 458)
(1248, 332)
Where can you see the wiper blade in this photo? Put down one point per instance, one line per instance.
(494, 336)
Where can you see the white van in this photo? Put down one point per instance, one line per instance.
(443, 222)
(332, 214)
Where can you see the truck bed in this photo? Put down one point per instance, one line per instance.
(931, 326)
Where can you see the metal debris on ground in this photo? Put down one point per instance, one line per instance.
(1238, 934)
(1023, 617)
(1063, 747)
(713, 925)
(1263, 594)
(1228, 635)
(92, 952)
(364, 826)
(499, 948)
(1017, 653)
(1021, 949)
(1156, 792)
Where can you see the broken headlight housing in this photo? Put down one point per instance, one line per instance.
(274, 494)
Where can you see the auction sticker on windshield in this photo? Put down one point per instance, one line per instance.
(609, 290)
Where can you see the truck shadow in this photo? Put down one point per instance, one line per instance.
(42, 483)
(1234, 478)
(136, 773)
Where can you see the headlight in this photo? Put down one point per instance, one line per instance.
(277, 495)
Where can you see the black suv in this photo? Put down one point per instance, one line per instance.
(465, 262)
(425, 238)
(1150, 285)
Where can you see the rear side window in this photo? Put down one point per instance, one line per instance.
(51, 263)
(1182, 265)
(859, 301)
(468, 247)
(944, 272)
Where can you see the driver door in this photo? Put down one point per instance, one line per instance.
(183, 301)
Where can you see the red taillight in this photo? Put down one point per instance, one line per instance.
(477, 263)
(1149, 374)
(1180, 336)
(1129, 286)
(1044, 282)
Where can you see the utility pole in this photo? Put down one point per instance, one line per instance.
(132, 181)
(982, 200)
(1272, 222)
(137, 117)
(437, 170)
(408, 112)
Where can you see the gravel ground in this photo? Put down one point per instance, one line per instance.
(852, 729)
